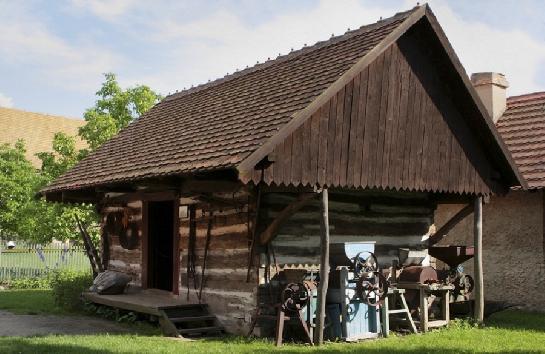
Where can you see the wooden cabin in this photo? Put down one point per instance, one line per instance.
(358, 137)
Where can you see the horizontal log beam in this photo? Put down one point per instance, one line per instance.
(449, 225)
(271, 231)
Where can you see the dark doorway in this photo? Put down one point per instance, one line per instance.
(160, 244)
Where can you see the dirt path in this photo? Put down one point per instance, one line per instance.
(30, 325)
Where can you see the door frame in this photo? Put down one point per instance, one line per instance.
(161, 197)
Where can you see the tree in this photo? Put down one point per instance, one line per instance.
(114, 110)
(22, 215)
(18, 180)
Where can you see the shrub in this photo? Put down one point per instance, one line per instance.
(111, 313)
(30, 283)
(67, 286)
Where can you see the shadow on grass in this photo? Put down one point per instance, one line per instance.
(517, 320)
(22, 345)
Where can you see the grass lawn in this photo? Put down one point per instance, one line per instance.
(505, 332)
(29, 302)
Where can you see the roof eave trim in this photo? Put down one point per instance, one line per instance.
(246, 166)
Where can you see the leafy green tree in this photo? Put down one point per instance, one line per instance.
(22, 215)
(18, 181)
(114, 110)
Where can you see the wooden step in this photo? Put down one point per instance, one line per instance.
(201, 330)
(192, 318)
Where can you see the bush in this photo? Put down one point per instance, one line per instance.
(30, 283)
(67, 286)
(111, 313)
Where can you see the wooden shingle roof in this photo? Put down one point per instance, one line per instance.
(235, 122)
(217, 125)
(522, 128)
(36, 130)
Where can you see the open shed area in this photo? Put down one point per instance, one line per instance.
(295, 199)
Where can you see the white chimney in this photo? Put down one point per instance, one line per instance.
(491, 88)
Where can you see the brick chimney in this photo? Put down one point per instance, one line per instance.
(491, 88)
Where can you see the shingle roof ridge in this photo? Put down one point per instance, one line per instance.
(294, 54)
(526, 97)
(18, 110)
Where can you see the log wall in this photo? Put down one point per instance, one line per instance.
(225, 289)
(120, 258)
(392, 220)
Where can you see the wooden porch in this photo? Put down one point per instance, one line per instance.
(176, 316)
(149, 301)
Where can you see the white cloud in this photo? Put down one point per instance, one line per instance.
(484, 48)
(25, 39)
(5, 101)
(220, 42)
(105, 9)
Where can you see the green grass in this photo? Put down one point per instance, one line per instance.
(29, 302)
(505, 332)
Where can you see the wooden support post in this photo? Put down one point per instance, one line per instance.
(384, 312)
(478, 260)
(423, 310)
(445, 305)
(324, 269)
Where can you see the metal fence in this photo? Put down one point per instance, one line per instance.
(30, 260)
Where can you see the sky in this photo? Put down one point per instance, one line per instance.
(53, 53)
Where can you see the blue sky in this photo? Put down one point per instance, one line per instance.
(53, 53)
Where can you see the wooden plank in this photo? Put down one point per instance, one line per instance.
(382, 118)
(416, 137)
(442, 135)
(410, 127)
(331, 137)
(323, 143)
(324, 269)
(296, 153)
(305, 156)
(339, 116)
(287, 159)
(345, 142)
(374, 93)
(424, 146)
(403, 127)
(478, 260)
(314, 145)
(391, 119)
(362, 101)
(301, 116)
(353, 131)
